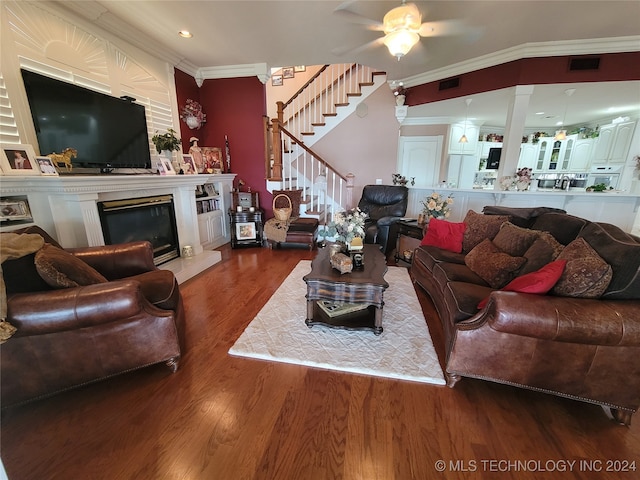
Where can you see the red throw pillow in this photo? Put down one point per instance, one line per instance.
(539, 282)
(445, 235)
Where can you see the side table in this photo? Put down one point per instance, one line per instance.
(409, 236)
(246, 227)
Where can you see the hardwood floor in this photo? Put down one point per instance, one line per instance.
(224, 417)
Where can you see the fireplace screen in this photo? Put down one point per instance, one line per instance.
(148, 218)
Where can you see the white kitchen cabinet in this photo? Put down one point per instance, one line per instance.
(621, 142)
(543, 154)
(527, 155)
(612, 145)
(581, 155)
(457, 130)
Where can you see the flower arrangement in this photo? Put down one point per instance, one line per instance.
(524, 175)
(167, 141)
(347, 225)
(437, 205)
(192, 114)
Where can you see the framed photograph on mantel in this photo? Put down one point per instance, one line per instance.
(18, 159)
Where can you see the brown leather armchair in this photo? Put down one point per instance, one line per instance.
(73, 336)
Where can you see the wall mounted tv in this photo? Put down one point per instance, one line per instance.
(107, 132)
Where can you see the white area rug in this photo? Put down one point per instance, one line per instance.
(404, 349)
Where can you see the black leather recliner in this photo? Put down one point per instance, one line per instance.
(385, 205)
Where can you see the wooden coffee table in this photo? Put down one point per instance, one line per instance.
(361, 287)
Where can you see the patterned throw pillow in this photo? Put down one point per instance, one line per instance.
(480, 227)
(60, 269)
(586, 275)
(514, 240)
(493, 265)
(543, 251)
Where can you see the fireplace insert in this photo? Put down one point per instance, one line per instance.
(146, 218)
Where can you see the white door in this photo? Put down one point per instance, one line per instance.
(419, 158)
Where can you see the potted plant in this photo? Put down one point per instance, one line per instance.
(166, 142)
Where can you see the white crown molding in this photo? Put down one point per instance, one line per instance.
(427, 121)
(529, 50)
(259, 70)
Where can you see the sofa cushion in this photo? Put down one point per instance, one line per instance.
(462, 299)
(60, 269)
(444, 273)
(514, 240)
(480, 227)
(544, 249)
(430, 256)
(493, 265)
(586, 275)
(445, 235)
(538, 282)
(620, 250)
(521, 216)
(565, 228)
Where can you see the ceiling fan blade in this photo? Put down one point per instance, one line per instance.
(339, 51)
(353, 17)
(443, 28)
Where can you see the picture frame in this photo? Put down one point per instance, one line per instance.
(167, 166)
(288, 72)
(210, 189)
(189, 165)
(15, 210)
(246, 230)
(299, 68)
(276, 80)
(212, 159)
(46, 166)
(18, 159)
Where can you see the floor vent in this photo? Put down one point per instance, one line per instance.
(584, 63)
(450, 83)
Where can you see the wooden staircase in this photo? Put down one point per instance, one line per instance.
(331, 95)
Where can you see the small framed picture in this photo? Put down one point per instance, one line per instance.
(14, 209)
(299, 68)
(46, 166)
(210, 189)
(276, 80)
(246, 230)
(167, 166)
(287, 72)
(18, 160)
(189, 165)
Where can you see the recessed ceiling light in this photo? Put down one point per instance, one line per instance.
(185, 34)
(539, 113)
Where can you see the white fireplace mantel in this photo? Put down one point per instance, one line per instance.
(67, 206)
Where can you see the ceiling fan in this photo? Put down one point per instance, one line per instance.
(402, 27)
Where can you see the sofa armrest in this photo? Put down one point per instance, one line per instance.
(563, 319)
(118, 261)
(387, 221)
(53, 311)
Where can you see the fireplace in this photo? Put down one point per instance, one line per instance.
(146, 218)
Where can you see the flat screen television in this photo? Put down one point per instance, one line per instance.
(493, 160)
(107, 132)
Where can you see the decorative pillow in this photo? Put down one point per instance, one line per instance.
(294, 195)
(586, 275)
(493, 265)
(543, 251)
(60, 269)
(539, 282)
(514, 240)
(445, 235)
(480, 227)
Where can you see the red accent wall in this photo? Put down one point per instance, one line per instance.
(234, 107)
(530, 71)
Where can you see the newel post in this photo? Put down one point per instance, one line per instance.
(276, 169)
(349, 190)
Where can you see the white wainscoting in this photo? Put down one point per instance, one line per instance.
(619, 209)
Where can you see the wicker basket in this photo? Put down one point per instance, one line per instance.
(282, 214)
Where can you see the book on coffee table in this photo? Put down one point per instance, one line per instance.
(335, 309)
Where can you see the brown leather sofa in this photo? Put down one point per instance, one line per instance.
(68, 337)
(581, 348)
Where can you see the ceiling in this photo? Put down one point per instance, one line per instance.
(307, 32)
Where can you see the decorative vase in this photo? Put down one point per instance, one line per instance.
(192, 122)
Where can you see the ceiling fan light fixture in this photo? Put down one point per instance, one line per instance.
(405, 17)
(400, 42)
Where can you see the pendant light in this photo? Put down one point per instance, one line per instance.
(562, 134)
(463, 138)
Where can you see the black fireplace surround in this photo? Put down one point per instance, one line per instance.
(146, 218)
